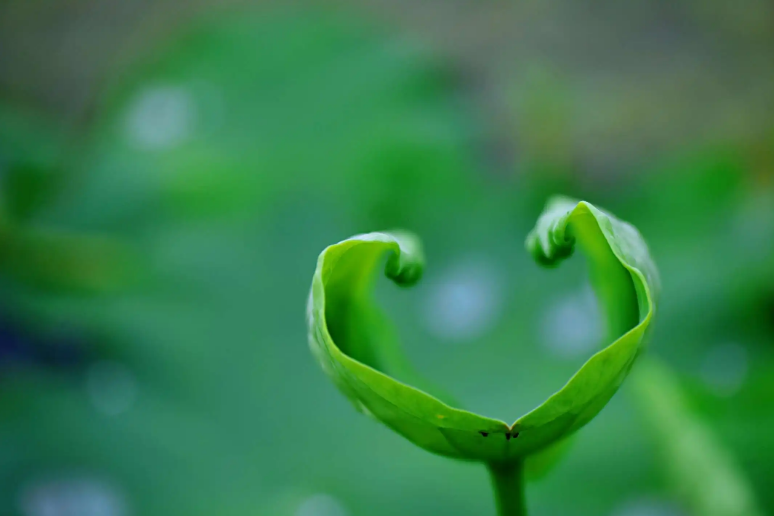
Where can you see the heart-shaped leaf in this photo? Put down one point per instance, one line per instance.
(351, 340)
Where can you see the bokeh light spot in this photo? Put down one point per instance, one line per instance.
(321, 505)
(77, 496)
(648, 507)
(161, 117)
(571, 325)
(465, 303)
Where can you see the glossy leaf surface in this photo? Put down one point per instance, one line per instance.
(352, 341)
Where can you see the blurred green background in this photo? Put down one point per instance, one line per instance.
(170, 171)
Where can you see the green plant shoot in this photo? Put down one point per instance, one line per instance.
(354, 344)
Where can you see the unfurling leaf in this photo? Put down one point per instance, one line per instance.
(352, 341)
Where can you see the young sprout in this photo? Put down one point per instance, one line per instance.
(352, 341)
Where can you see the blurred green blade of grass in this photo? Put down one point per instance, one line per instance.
(701, 471)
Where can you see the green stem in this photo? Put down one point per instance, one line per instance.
(508, 484)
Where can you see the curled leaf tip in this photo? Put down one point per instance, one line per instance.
(549, 243)
(406, 266)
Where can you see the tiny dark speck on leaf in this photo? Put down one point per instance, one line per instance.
(507, 436)
(484, 434)
(515, 435)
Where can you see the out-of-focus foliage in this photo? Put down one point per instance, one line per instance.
(224, 164)
(236, 148)
(701, 471)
